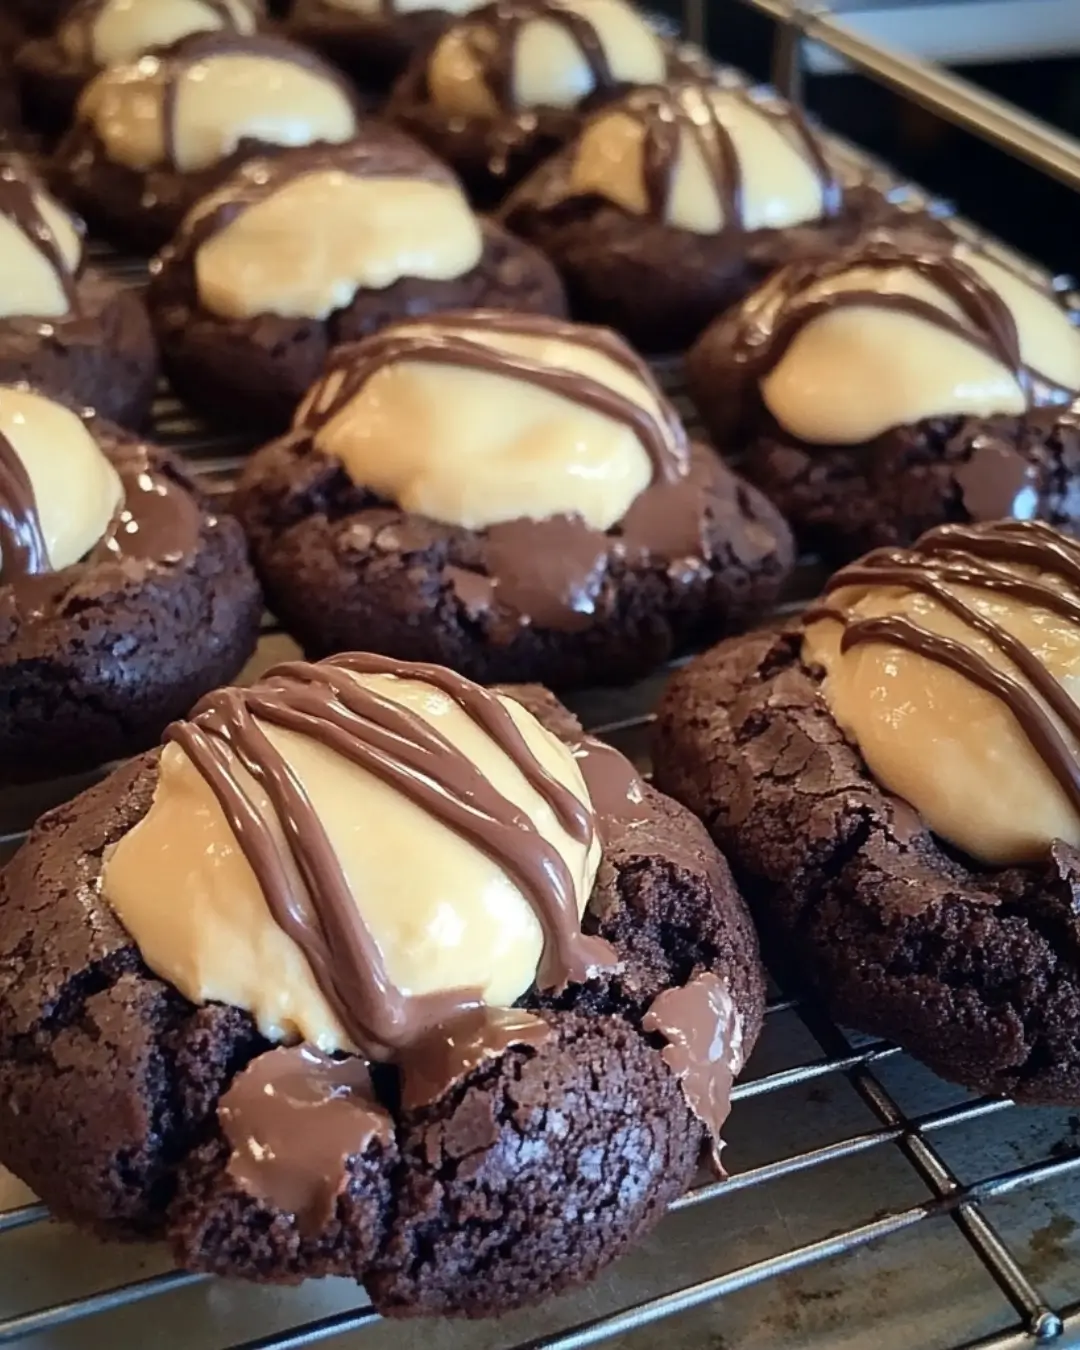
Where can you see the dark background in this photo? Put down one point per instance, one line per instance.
(1040, 217)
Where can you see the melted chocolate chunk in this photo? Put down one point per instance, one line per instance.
(704, 1050)
(294, 1119)
(452, 1051)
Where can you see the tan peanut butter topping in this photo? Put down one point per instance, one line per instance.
(108, 32)
(704, 159)
(522, 54)
(192, 109)
(892, 333)
(446, 913)
(955, 668)
(58, 492)
(308, 248)
(40, 251)
(481, 417)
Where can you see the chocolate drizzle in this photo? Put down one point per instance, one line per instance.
(294, 1118)
(780, 311)
(18, 203)
(350, 367)
(492, 34)
(971, 556)
(83, 16)
(434, 1064)
(158, 522)
(694, 108)
(391, 155)
(704, 1033)
(172, 67)
(304, 883)
(22, 544)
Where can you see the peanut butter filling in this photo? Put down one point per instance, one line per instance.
(955, 669)
(40, 252)
(481, 418)
(729, 151)
(548, 66)
(58, 492)
(885, 346)
(124, 30)
(194, 115)
(444, 914)
(308, 248)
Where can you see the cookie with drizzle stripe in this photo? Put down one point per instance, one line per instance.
(305, 885)
(960, 555)
(663, 439)
(780, 313)
(665, 113)
(18, 204)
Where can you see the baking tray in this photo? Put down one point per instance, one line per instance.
(867, 1203)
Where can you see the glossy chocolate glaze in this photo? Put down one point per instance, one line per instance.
(158, 522)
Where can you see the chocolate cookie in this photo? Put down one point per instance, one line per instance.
(225, 98)
(291, 257)
(63, 326)
(896, 783)
(500, 90)
(902, 383)
(371, 40)
(123, 597)
(228, 1058)
(675, 202)
(508, 495)
(53, 69)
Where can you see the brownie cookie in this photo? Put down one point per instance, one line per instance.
(512, 82)
(510, 496)
(224, 98)
(371, 971)
(373, 40)
(675, 202)
(52, 70)
(902, 383)
(63, 326)
(318, 247)
(896, 783)
(123, 598)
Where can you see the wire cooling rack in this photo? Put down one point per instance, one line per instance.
(867, 1201)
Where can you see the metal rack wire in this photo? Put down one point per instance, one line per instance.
(830, 1130)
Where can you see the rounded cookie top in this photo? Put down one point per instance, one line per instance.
(100, 33)
(300, 236)
(76, 502)
(513, 56)
(41, 249)
(896, 330)
(377, 859)
(703, 158)
(190, 108)
(954, 666)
